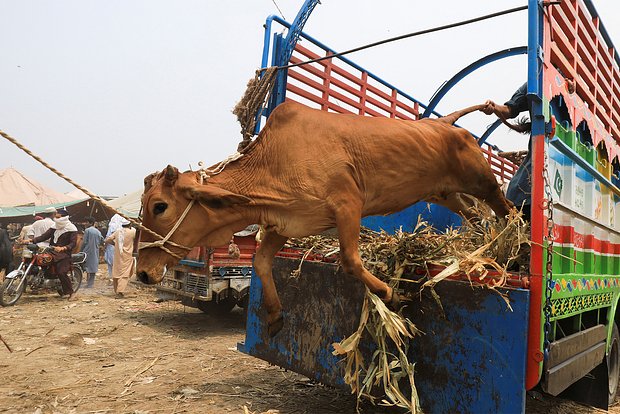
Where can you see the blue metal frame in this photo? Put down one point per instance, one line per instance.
(535, 62)
(283, 49)
(295, 31)
(441, 92)
(490, 129)
(267, 48)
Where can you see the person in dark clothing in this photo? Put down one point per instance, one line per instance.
(63, 239)
(6, 251)
(520, 187)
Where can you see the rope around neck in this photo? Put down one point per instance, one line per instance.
(204, 174)
(160, 243)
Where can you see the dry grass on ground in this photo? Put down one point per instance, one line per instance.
(103, 355)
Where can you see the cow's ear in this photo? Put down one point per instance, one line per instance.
(215, 197)
(170, 175)
(148, 181)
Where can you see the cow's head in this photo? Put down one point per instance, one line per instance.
(166, 196)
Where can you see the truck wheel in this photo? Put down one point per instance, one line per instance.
(613, 364)
(220, 308)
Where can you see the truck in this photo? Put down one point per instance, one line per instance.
(213, 280)
(560, 335)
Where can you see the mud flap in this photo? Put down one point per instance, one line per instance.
(471, 358)
(592, 388)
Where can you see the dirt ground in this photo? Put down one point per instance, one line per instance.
(135, 355)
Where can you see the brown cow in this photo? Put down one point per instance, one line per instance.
(309, 171)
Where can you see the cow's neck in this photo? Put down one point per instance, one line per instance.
(251, 175)
(257, 175)
(238, 177)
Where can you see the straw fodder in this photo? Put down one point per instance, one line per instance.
(389, 367)
(474, 249)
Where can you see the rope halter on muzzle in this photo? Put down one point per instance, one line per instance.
(204, 175)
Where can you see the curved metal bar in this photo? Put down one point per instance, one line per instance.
(489, 131)
(295, 30)
(441, 92)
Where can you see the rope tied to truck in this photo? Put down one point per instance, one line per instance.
(254, 98)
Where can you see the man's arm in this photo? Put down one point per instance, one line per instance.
(45, 236)
(511, 108)
(110, 239)
(502, 111)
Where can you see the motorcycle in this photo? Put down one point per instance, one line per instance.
(34, 271)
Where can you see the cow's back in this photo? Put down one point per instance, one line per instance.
(392, 163)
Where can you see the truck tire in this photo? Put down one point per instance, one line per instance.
(613, 364)
(220, 308)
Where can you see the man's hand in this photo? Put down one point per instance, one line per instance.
(59, 249)
(502, 111)
(489, 107)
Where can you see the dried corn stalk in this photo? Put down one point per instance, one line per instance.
(388, 367)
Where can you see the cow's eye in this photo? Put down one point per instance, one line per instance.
(160, 208)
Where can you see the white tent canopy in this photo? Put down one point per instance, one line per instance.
(128, 204)
(19, 190)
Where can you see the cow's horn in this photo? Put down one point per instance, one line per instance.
(171, 174)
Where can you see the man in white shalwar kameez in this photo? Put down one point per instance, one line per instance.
(122, 240)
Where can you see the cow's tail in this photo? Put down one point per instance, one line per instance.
(454, 116)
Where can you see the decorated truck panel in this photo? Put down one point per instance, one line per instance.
(478, 356)
(213, 280)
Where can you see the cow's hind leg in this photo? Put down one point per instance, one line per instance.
(263, 262)
(348, 223)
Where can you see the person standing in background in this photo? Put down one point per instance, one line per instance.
(122, 241)
(90, 245)
(115, 224)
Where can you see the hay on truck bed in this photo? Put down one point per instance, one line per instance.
(404, 261)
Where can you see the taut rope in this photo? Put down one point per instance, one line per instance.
(102, 201)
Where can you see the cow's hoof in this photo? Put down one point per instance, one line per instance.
(275, 326)
(394, 303)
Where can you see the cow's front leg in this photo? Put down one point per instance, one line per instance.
(348, 223)
(263, 262)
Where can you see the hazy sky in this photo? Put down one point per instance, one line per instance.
(109, 91)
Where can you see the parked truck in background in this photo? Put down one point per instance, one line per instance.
(211, 279)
